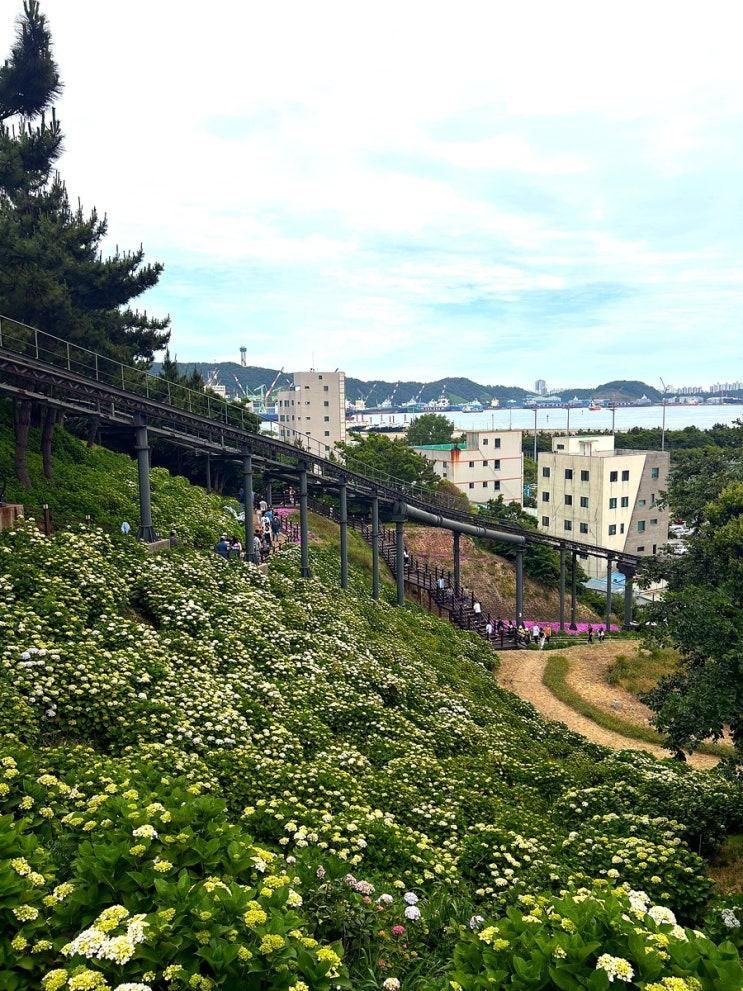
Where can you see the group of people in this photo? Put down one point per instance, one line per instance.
(266, 536)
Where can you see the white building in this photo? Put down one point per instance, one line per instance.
(489, 464)
(540, 387)
(589, 492)
(314, 408)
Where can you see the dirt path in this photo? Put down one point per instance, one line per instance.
(589, 664)
(521, 673)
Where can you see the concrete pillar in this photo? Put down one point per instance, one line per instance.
(400, 561)
(248, 507)
(607, 614)
(562, 587)
(519, 585)
(269, 491)
(145, 531)
(343, 521)
(304, 529)
(457, 568)
(375, 546)
(574, 592)
(628, 577)
(208, 472)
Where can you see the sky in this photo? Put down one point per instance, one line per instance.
(505, 191)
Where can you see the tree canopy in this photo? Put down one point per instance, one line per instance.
(394, 457)
(430, 428)
(701, 615)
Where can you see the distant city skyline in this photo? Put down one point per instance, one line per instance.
(493, 191)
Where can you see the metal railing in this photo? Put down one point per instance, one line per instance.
(30, 342)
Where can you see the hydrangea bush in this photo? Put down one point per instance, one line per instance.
(218, 778)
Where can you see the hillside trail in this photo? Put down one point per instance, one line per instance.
(521, 672)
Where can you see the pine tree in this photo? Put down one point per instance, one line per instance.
(52, 270)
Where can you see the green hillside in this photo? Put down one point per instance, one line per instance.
(213, 778)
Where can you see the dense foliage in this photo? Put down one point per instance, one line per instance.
(701, 616)
(430, 428)
(214, 778)
(392, 457)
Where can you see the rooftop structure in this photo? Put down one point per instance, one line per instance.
(314, 407)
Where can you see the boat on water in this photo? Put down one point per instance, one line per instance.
(474, 407)
(595, 406)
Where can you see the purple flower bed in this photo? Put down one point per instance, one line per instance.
(581, 627)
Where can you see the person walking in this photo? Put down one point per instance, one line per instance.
(548, 633)
(535, 633)
(590, 633)
(263, 506)
(276, 528)
(489, 630)
(600, 635)
(477, 610)
(222, 547)
(256, 555)
(236, 548)
(500, 627)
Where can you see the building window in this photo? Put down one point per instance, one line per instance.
(567, 525)
(326, 403)
(613, 476)
(485, 463)
(545, 497)
(625, 502)
(568, 500)
(325, 388)
(472, 464)
(545, 521)
(568, 473)
(612, 504)
(655, 472)
(612, 529)
(484, 485)
(655, 548)
(640, 548)
(585, 476)
(640, 502)
(584, 502)
(496, 464)
(625, 475)
(641, 526)
(496, 442)
(560, 447)
(472, 485)
(654, 522)
(621, 527)
(485, 440)
(327, 433)
(326, 419)
(545, 473)
(496, 485)
(584, 528)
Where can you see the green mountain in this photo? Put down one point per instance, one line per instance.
(235, 379)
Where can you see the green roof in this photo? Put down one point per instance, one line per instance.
(435, 447)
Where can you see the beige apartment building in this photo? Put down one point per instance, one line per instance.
(590, 492)
(314, 408)
(489, 464)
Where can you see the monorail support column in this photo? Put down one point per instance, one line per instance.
(562, 587)
(343, 521)
(457, 563)
(269, 490)
(574, 592)
(629, 574)
(248, 507)
(375, 546)
(304, 529)
(208, 472)
(607, 614)
(145, 531)
(519, 586)
(399, 515)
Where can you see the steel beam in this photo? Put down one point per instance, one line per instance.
(146, 530)
(343, 521)
(400, 560)
(628, 577)
(457, 569)
(607, 614)
(304, 528)
(574, 591)
(562, 588)
(375, 546)
(519, 586)
(248, 507)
